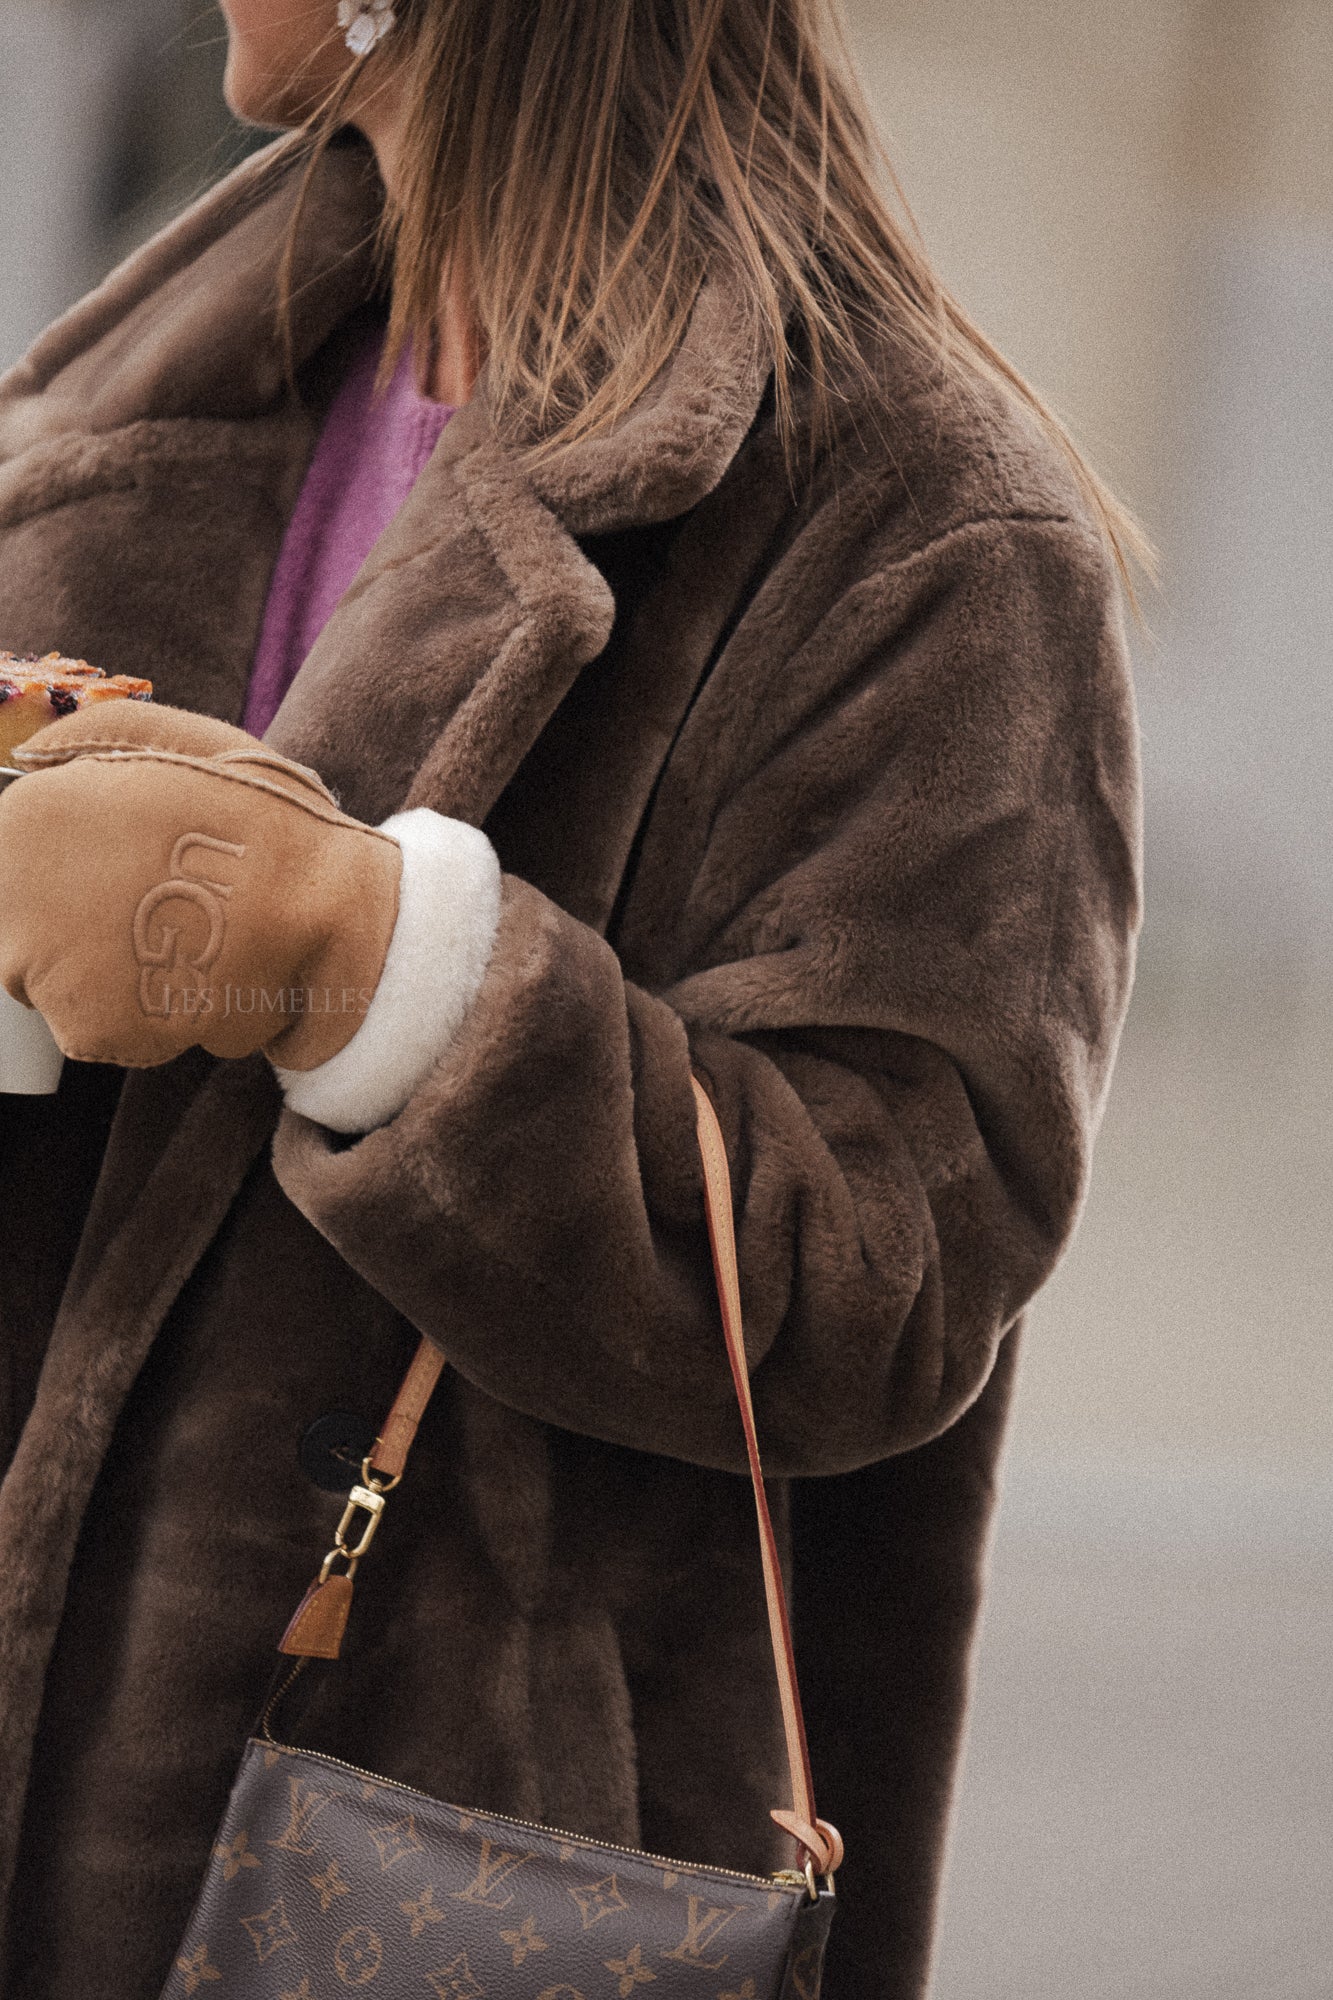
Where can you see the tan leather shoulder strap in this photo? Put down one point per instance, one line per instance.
(816, 1836)
(389, 1452)
(317, 1628)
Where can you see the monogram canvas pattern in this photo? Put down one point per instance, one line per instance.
(324, 1880)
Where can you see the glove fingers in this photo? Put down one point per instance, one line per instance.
(123, 728)
(132, 725)
(298, 779)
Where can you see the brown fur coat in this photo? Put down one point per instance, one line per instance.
(836, 797)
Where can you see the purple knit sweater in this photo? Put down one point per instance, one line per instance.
(368, 458)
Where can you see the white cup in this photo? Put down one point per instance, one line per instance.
(30, 1061)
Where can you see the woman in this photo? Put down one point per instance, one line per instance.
(740, 673)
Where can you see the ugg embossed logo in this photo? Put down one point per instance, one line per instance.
(180, 927)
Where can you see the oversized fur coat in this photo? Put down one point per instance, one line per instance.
(831, 791)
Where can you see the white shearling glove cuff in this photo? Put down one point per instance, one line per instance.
(448, 913)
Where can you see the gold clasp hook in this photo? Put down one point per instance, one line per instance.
(361, 1500)
(367, 1500)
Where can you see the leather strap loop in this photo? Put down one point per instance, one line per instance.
(822, 1842)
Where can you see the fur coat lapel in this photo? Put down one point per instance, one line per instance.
(450, 652)
(164, 392)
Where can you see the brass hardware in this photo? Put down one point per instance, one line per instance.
(367, 1500)
(326, 1567)
(361, 1500)
(796, 1878)
(376, 1481)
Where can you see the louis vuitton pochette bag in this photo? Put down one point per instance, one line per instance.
(325, 1877)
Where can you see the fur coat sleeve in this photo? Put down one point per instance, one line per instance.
(893, 933)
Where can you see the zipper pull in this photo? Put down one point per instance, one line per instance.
(320, 1620)
(317, 1629)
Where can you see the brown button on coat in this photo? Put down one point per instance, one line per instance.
(834, 796)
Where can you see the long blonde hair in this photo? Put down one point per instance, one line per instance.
(581, 163)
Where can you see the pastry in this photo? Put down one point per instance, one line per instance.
(34, 692)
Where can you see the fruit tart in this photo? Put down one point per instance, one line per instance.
(36, 691)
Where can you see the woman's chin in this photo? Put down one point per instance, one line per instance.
(245, 100)
(258, 97)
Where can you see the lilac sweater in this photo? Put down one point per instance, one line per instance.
(368, 458)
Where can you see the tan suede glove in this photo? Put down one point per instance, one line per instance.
(166, 881)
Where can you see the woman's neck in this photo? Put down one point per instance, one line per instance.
(455, 352)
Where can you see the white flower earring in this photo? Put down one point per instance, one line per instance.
(366, 23)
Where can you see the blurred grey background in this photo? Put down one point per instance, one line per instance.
(1135, 198)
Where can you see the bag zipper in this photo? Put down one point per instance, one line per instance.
(785, 1878)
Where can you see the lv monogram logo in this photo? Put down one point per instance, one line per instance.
(495, 1867)
(402, 1901)
(270, 1930)
(705, 1923)
(306, 1804)
(158, 941)
(329, 1884)
(805, 1973)
(598, 1899)
(359, 1956)
(396, 1842)
(456, 1982)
